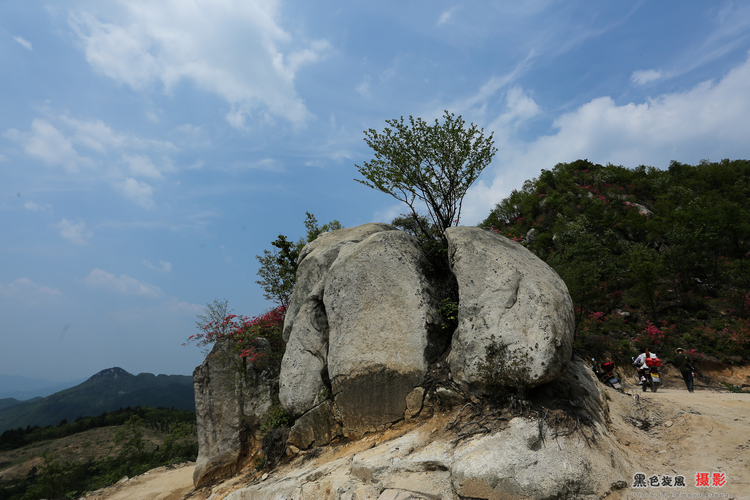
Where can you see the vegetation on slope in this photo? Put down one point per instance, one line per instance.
(143, 438)
(651, 257)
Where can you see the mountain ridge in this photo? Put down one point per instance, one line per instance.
(105, 391)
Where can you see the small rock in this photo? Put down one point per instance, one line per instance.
(293, 449)
(668, 423)
(264, 476)
(449, 397)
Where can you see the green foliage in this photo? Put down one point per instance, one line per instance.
(275, 418)
(504, 372)
(129, 438)
(278, 268)
(656, 245)
(448, 310)
(435, 164)
(155, 418)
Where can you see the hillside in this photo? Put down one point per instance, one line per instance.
(659, 257)
(105, 391)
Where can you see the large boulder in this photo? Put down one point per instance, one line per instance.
(382, 320)
(316, 258)
(303, 368)
(532, 459)
(507, 296)
(231, 398)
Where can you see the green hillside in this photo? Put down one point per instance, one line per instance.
(106, 391)
(651, 257)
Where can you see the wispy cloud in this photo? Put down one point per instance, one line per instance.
(445, 16)
(33, 207)
(364, 87)
(120, 159)
(642, 77)
(23, 42)
(27, 289)
(164, 267)
(123, 284)
(140, 192)
(75, 232)
(46, 143)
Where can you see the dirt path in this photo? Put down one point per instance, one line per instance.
(163, 483)
(673, 432)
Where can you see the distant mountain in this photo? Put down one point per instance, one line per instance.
(105, 391)
(8, 402)
(22, 388)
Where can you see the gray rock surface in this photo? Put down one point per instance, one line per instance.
(317, 427)
(316, 258)
(306, 324)
(526, 460)
(229, 405)
(381, 315)
(303, 367)
(507, 292)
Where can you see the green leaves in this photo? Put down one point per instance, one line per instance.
(433, 163)
(278, 268)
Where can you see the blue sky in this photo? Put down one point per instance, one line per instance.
(150, 149)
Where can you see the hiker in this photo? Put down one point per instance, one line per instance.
(685, 365)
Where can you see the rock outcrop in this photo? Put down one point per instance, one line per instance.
(508, 296)
(230, 400)
(366, 349)
(526, 458)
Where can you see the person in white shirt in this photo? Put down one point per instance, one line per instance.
(640, 363)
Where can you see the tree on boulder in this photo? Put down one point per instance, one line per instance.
(433, 163)
(278, 268)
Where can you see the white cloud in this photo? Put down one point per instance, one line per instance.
(164, 267)
(142, 165)
(642, 77)
(76, 233)
(94, 134)
(48, 144)
(23, 42)
(446, 16)
(26, 289)
(124, 284)
(235, 49)
(33, 207)
(364, 87)
(519, 108)
(139, 192)
(707, 121)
